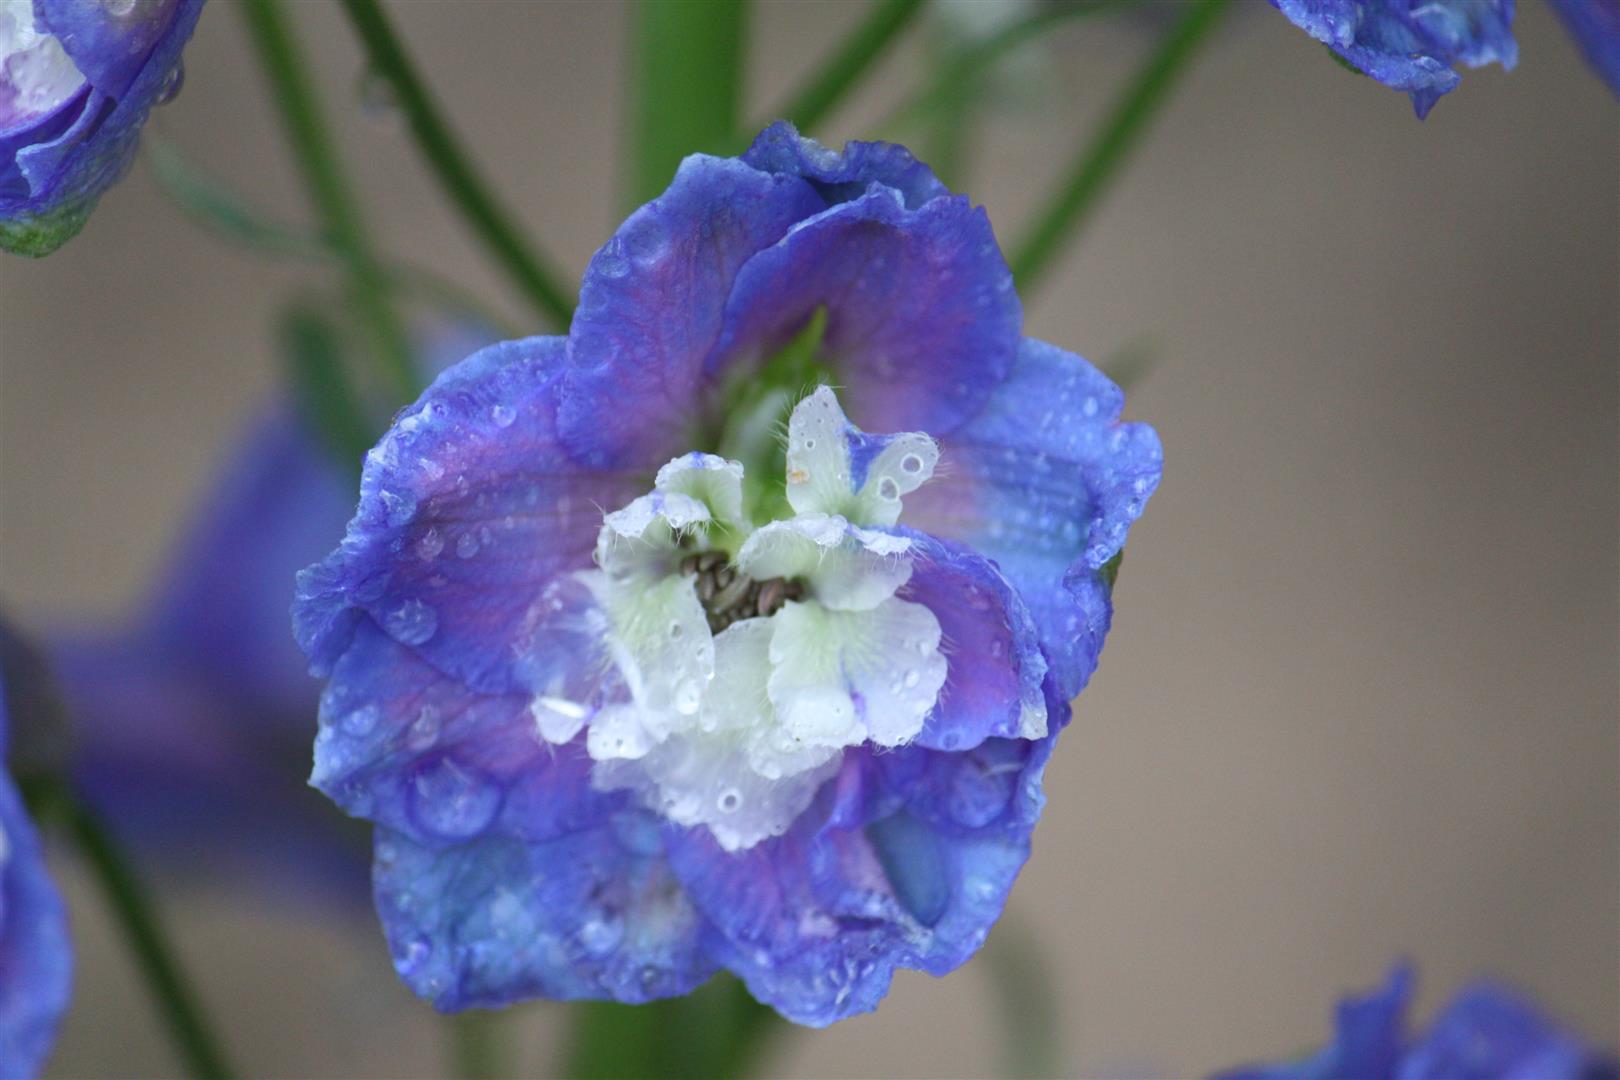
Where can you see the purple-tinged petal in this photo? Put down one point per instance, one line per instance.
(879, 874)
(650, 308)
(1595, 26)
(844, 176)
(108, 42)
(36, 957)
(405, 746)
(995, 667)
(470, 506)
(1045, 481)
(591, 913)
(922, 319)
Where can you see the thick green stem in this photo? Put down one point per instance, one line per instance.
(1076, 195)
(490, 222)
(834, 80)
(295, 97)
(53, 800)
(688, 72)
(478, 1046)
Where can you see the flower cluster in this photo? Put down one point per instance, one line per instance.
(77, 80)
(638, 685)
(1486, 1032)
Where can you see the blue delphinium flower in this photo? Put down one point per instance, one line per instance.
(193, 719)
(77, 80)
(1486, 1032)
(636, 689)
(36, 960)
(1411, 45)
(1595, 26)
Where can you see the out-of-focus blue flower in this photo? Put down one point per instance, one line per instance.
(36, 960)
(77, 79)
(194, 720)
(1411, 45)
(1486, 1032)
(1595, 26)
(635, 692)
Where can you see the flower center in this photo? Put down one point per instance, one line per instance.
(36, 76)
(728, 596)
(741, 662)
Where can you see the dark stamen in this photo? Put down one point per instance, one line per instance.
(729, 597)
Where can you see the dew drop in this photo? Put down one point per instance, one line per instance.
(429, 545)
(453, 800)
(172, 82)
(601, 933)
(687, 697)
(379, 102)
(467, 545)
(911, 463)
(361, 721)
(503, 415)
(412, 623)
(912, 678)
(729, 800)
(888, 489)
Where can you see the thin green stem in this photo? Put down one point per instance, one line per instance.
(295, 96)
(478, 1047)
(833, 81)
(214, 207)
(1075, 197)
(944, 88)
(490, 222)
(688, 72)
(137, 915)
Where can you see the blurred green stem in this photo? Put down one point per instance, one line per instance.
(52, 799)
(688, 72)
(717, 1032)
(1098, 160)
(489, 221)
(294, 95)
(478, 1046)
(833, 81)
(944, 88)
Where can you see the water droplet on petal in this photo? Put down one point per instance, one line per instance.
(172, 82)
(503, 415)
(601, 933)
(412, 623)
(452, 799)
(467, 545)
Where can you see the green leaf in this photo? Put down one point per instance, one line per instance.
(688, 71)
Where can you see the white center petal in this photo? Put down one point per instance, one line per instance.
(740, 664)
(36, 76)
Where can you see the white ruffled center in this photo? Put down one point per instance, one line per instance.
(736, 730)
(36, 76)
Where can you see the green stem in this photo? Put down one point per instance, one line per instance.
(294, 94)
(490, 222)
(477, 1048)
(834, 80)
(1087, 177)
(688, 69)
(944, 88)
(136, 914)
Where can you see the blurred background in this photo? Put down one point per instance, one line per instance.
(1360, 698)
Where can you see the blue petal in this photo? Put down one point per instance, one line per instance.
(109, 49)
(404, 745)
(591, 913)
(650, 308)
(1368, 1039)
(922, 319)
(1046, 481)
(1488, 1032)
(1595, 26)
(469, 507)
(36, 959)
(844, 176)
(1408, 46)
(877, 875)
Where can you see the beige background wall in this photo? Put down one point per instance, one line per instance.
(1361, 695)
